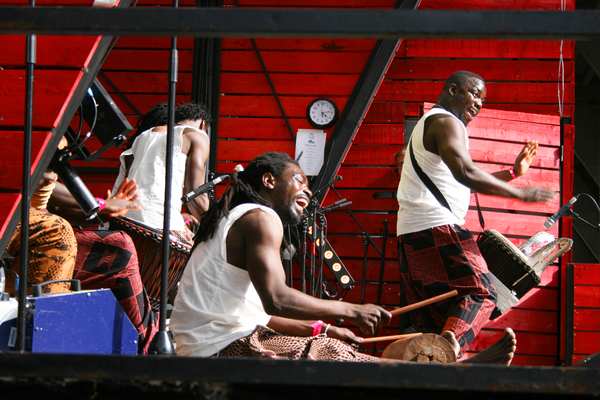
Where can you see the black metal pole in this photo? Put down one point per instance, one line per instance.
(382, 264)
(30, 64)
(164, 345)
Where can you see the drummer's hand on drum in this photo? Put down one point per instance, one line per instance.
(190, 220)
(535, 194)
(525, 158)
(126, 191)
(369, 317)
(123, 200)
(343, 334)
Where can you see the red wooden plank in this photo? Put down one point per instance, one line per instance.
(391, 272)
(364, 200)
(386, 178)
(266, 105)
(484, 48)
(526, 320)
(332, 45)
(540, 109)
(508, 224)
(379, 134)
(52, 90)
(289, 84)
(540, 298)
(527, 342)
(586, 319)
(147, 82)
(587, 296)
(489, 69)
(505, 223)
(492, 114)
(541, 361)
(495, 5)
(587, 274)
(259, 128)
(143, 102)
(295, 61)
(52, 51)
(586, 342)
(525, 92)
(371, 154)
(502, 203)
(351, 247)
(535, 176)
(147, 60)
(11, 164)
(246, 150)
(8, 204)
(363, 177)
(506, 153)
(521, 132)
(381, 112)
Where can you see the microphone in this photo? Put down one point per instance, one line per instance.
(203, 188)
(564, 210)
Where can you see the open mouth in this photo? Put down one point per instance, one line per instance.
(302, 202)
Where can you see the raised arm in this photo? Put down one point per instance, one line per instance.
(446, 135)
(195, 171)
(253, 244)
(522, 162)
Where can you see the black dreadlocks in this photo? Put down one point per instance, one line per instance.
(244, 190)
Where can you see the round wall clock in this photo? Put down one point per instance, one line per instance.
(322, 113)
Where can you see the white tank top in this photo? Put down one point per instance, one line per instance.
(418, 207)
(148, 170)
(216, 303)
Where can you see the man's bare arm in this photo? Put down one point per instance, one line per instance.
(449, 137)
(195, 171)
(295, 327)
(253, 244)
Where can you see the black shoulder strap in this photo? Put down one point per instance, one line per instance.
(425, 179)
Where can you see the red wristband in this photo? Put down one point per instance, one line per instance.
(317, 326)
(512, 173)
(101, 203)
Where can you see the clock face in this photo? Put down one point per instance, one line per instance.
(322, 113)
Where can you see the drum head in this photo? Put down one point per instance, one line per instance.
(427, 348)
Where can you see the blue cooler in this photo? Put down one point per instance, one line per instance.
(84, 322)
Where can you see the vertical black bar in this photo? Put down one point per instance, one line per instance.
(164, 345)
(382, 264)
(569, 331)
(30, 64)
(206, 73)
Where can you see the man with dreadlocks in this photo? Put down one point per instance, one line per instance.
(144, 160)
(233, 300)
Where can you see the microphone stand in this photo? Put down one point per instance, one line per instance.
(574, 215)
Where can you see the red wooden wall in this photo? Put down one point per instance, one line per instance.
(56, 78)
(586, 310)
(521, 76)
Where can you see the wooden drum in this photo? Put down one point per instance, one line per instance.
(148, 243)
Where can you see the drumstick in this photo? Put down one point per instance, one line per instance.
(423, 303)
(389, 338)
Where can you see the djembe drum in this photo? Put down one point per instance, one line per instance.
(512, 277)
(148, 243)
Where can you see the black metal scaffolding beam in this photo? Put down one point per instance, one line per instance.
(357, 106)
(380, 24)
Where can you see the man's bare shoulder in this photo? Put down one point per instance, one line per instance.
(257, 221)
